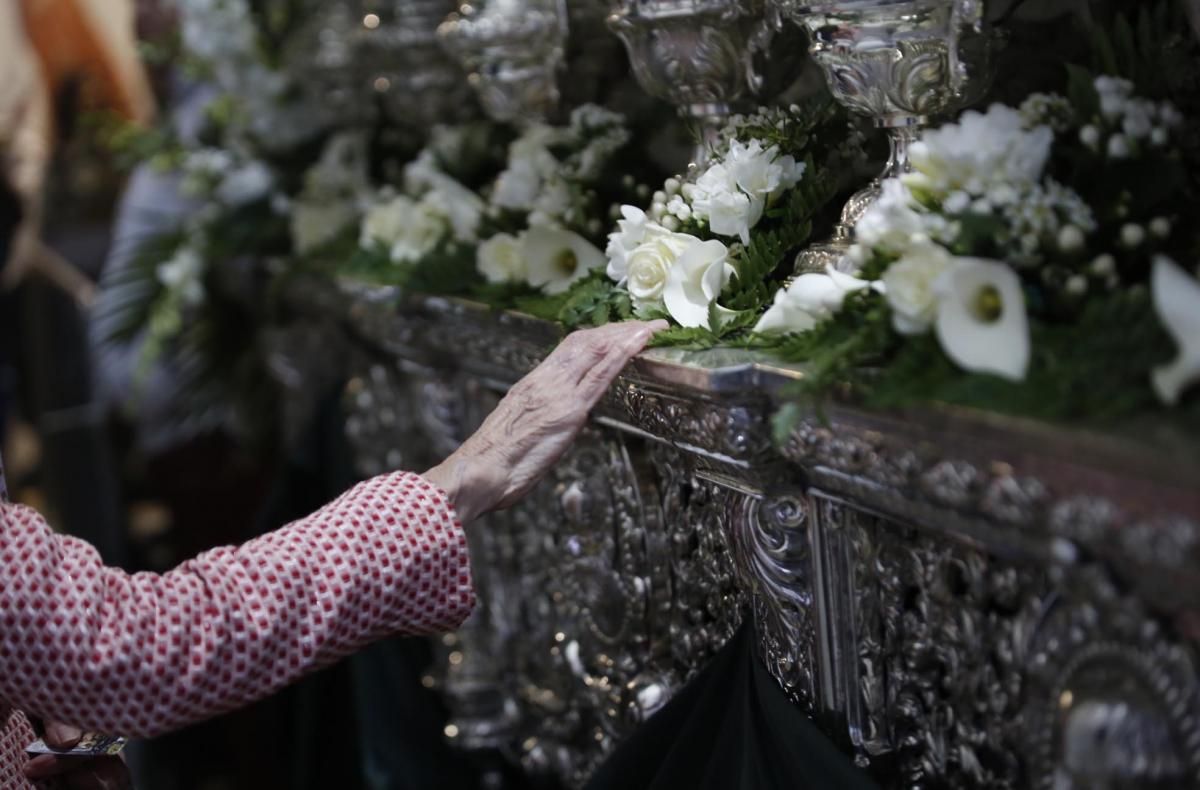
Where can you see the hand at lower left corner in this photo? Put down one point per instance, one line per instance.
(74, 772)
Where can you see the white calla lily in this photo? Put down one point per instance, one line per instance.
(981, 322)
(695, 282)
(1177, 301)
(555, 258)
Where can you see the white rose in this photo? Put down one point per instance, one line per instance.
(650, 264)
(556, 258)
(315, 224)
(909, 284)
(695, 282)
(809, 300)
(461, 207)
(383, 221)
(529, 164)
(501, 259)
(419, 234)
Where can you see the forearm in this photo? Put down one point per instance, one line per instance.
(144, 654)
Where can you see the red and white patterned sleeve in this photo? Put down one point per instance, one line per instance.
(146, 653)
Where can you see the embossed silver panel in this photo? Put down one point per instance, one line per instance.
(960, 600)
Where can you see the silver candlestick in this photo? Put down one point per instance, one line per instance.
(899, 62)
(419, 84)
(512, 51)
(699, 55)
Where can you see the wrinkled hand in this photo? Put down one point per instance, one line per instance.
(76, 773)
(537, 420)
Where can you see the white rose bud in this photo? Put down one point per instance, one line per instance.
(1103, 265)
(659, 196)
(1118, 146)
(1070, 239)
(687, 190)
(657, 209)
(1132, 235)
(670, 223)
(1160, 227)
(1077, 285)
(671, 185)
(1089, 136)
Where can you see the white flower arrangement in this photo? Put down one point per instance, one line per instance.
(989, 235)
(434, 209)
(669, 261)
(543, 199)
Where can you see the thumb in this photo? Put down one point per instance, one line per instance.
(62, 736)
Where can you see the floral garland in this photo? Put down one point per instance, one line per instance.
(1026, 264)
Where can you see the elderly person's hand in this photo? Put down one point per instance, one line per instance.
(537, 420)
(76, 773)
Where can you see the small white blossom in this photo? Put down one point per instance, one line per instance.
(409, 230)
(1103, 265)
(679, 208)
(1132, 235)
(1118, 146)
(1070, 239)
(181, 273)
(246, 184)
(1160, 227)
(1090, 136)
(1076, 285)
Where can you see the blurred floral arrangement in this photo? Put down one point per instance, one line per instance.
(1035, 260)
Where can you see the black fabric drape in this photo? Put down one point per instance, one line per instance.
(731, 728)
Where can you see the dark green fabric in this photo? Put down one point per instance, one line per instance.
(731, 728)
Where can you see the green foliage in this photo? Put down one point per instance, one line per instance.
(591, 301)
(696, 339)
(1094, 371)
(1137, 47)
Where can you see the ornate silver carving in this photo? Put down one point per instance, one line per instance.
(698, 55)
(774, 558)
(512, 51)
(963, 602)
(420, 84)
(1111, 695)
(899, 62)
